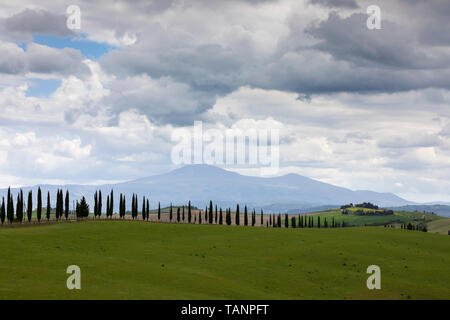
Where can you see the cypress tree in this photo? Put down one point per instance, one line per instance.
(178, 215)
(66, 211)
(148, 209)
(253, 218)
(39, 205)
(170, 214)
(159, 211)
(293, 223)
(245, 216)
(111, 204)
(2, 211)
(216, 215)
(183, 213)
(262, 218)
(318, 222)
(237, 215)
(48, 206)
(107, 206)
(189, 212)
(286, 220)
(325, 224)
(206, 214)
(270, 219)
(29, 206)
(220, 217)
(279, 221)
(9, 207)
(100, 203)
(144, 210)
(210, 212)
(57, 205)
(199, 217)
(19, 208)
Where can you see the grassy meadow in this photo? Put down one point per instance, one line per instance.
(147, 260)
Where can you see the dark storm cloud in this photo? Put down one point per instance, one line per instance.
(392, 46)
(41, 59)
(24, 24)
(349, 4)
(340, 55)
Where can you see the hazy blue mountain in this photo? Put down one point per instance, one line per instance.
(439, 209)
(201, 183)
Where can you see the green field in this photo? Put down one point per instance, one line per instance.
(399, 217)
(142, 260)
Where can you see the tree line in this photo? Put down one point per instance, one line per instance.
(211, 215)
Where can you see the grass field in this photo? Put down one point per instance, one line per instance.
(398, 217)
(139, 260)
(439, 226)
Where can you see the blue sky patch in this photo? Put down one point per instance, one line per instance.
(41, 88)
(89, 49)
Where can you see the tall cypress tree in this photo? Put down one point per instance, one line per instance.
(39, 205)
(170, 212)
(189, 212)
(159, 211)
(30, 206)
(237, 218)
(178, 215)
(199, 217)
(147, 214)
(2, 211)
(19, 208)
(318, 222)
(286, 220)
(183, 213)
(100, 203)
(48, 206)
(262, 218)
(279, 221)
(144, 210)
(245, 216)
(111, 204)
(220, 217)
(210, 212)
(9, 207)
(215, 215)
(107, 206)
(66, 209)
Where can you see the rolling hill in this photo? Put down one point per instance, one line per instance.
(201, 183)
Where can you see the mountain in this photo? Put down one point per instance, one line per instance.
(439, 209)
(201, 183)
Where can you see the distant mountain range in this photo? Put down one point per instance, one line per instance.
(201, 183)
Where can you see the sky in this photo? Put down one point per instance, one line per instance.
(359, 108)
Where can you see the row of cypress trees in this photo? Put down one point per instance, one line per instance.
(211, 214)
(7, 209)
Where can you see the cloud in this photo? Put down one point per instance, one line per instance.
(21, 26)
(348, 4)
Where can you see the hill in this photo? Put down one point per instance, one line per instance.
(201, 183)
(139, 260)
